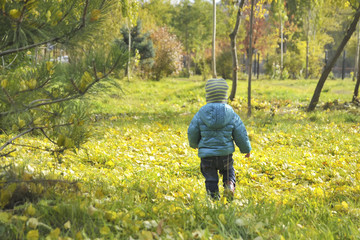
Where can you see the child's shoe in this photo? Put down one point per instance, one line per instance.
(229, 190)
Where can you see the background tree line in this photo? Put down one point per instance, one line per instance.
(56, 53)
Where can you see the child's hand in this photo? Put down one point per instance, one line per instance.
(247, 155)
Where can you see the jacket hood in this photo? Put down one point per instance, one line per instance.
(216, 115)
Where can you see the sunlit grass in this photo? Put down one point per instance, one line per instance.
(138, 178)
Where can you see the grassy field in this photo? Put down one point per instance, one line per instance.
(137, 178)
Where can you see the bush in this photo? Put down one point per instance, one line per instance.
(224, 65)
(168, 57)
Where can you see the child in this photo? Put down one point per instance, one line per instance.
(213, 131)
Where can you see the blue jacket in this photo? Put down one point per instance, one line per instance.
(214, 129)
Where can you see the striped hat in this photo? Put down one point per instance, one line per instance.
(216, 90)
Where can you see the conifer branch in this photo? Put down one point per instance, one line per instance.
(55, 39)
(44, 133)
(16, 137)
(8, 153)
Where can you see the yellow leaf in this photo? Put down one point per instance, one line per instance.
(54, 234)
(95, 14)
(32, 83)
(78, 236)
(48, 15)
(4, 83)
(49, 66)
(14, 13)
(146, 235)
(345, 205)
(67, 225)
(105, 230)
(61, 140)
(319, 192)
(4, 217)
(222, 218)
(110, 216)
(21, 122)
(32, 235)
(32, 223)
(68, 142)
(30, 210)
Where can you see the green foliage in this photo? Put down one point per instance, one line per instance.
(140, 42)
(168, 55)
(39, 95)
(224, 65)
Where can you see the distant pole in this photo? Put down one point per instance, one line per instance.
(343, 66)
(213, 41)
(250, 57)
(255, 62)
(258, 65)
(356, 70)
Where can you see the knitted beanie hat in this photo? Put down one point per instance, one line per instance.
(216, 90)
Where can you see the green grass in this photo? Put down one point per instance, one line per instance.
(138, 178)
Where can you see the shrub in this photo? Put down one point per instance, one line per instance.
(168, 57)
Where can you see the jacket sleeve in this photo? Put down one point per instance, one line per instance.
(240, 135)
(194, 132)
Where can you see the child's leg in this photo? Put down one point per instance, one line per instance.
(228, 173)
(211, 177)
(227, 170)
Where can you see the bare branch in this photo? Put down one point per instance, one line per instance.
(11, 51)
(10, 63)
(84, 14)
(34, 89)
(43, 132)
(39, 181)
(16, 137)
(74, 85)
(8, 96)
(8, 153)
(29, 146)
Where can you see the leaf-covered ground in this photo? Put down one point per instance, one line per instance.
(136, 178)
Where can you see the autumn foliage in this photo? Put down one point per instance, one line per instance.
(168, 53)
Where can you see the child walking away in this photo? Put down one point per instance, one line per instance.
(213, 130)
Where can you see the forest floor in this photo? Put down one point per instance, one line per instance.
(137, 178)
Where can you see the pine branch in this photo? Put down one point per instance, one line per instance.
(16, 137)
(34, 89)
(39, 181)
(44, 133)
(55, 39)
(8, 153)
(16, 50)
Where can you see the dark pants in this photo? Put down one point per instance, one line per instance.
(210, 167)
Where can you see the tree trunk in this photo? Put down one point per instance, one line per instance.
(213, 41)
(129, 49)
(282, 47)
(356, 90)
(343, 66)
(258, 66)
(315, 99)
(233, 52)
(250, 57)
(307, 45)
(356, 70)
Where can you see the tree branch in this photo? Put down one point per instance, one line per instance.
(16, 137)
(43, 132)
(6, 154)
(39, 181)
(83, 24)
(11, 51)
